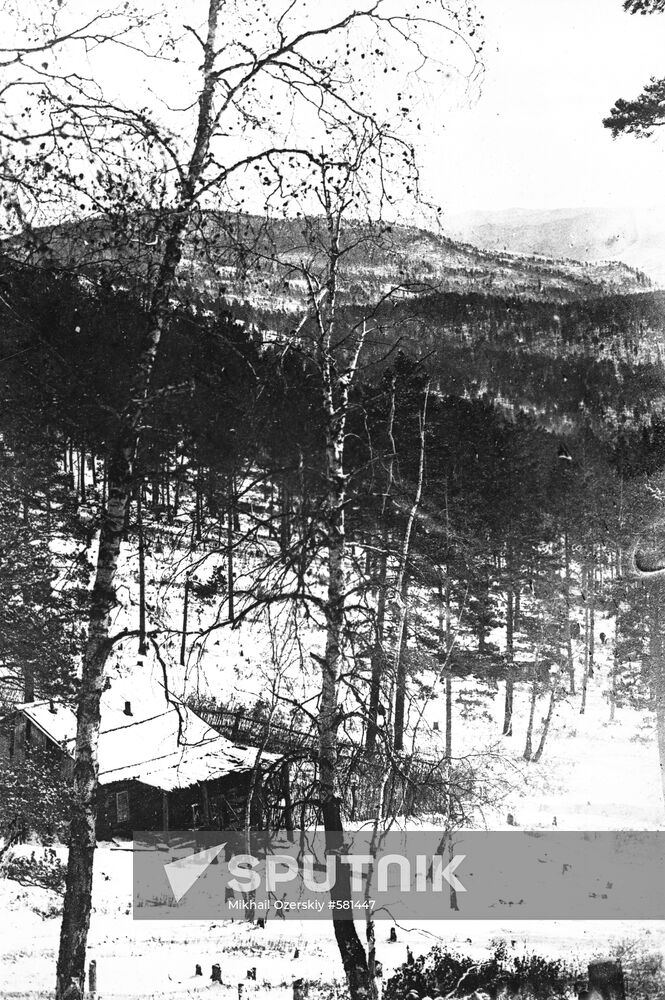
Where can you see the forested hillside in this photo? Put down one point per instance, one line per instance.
(257, 262)
(503, 457)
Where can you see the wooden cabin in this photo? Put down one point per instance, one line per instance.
(160, 765)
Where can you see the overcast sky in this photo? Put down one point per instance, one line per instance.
(535, 138)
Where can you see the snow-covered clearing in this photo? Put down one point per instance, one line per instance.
(152, 958)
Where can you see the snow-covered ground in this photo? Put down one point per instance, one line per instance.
(594, 774)
(146, 958)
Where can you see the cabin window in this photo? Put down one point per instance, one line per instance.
(122, 806)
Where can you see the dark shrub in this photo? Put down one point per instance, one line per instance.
(447, 972)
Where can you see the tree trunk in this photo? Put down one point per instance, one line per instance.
(335, 392)
(284, 520)
(401, 671)
(446, 642)
(569, 632)
(378, 653)
(235, 511)
(348, 942)
(510, 651)
(167, 490)
(585, 676)
(589, 628)
(198, 508)
(592, 617)
(143, 649)
(185, 612)
(546, 725)
(449, 717)
(155, 491)
(285, 781)
(615, 661)
(179, 472)
(508, 707)
(251, 808)
(402, 589)
(482, 639)
(82, 483)
(128, 511)
(449, 651)
(48, 509)
(29, 680)
(78, 888)
(528, 746)
(229, 558)
(370, 938)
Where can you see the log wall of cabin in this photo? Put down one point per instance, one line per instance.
(125, 806)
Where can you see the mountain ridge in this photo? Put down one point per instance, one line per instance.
(248, 258)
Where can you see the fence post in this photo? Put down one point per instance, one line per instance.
(299, 989)
(236, 724)
(92, 977)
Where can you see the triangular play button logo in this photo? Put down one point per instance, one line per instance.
(183, 873)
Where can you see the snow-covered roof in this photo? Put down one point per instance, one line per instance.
(163, 743)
